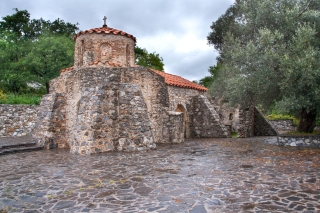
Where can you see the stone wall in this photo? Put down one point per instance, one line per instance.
(174, 128)
(115, 109)
(50, 130)
(229, 116)
(286, 124)
(246, 122)
(180, 98)
(156, 97)
(312, 141)
(252, 123)
(17, 120)
(261, 125)
(204, 119)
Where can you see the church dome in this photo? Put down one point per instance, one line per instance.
(106, 30)
(104, 46)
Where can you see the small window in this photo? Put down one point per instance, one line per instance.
(231, 116)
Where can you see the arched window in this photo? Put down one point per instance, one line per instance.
(180, 108)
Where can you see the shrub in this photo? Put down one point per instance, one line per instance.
(32, 99)
(234, 134)
(2, 96)
(296, 133)
(282, 117)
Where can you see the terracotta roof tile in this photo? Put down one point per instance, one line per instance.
(106, 30)
(178, 81)
(66, 70)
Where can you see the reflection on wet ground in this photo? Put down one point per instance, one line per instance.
(200, 175)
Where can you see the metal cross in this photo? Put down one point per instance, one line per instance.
(105, 19)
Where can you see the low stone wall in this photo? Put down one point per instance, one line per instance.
(313, 141)
(285, 124)
(17, 120)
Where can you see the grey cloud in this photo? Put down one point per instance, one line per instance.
(142, 18)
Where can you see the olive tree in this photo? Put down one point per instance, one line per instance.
(276, 58)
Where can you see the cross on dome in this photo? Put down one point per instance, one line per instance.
(105, 20)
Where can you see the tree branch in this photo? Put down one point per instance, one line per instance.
(304, 10)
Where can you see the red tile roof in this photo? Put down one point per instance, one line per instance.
(112, 64)
(106, 30)
(66, 70)
(178, 81)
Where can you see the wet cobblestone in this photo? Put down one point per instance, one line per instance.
(200, 175)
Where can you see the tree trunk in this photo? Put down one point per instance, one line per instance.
(47, 87)
(307, 120)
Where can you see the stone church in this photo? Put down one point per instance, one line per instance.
(107, 103)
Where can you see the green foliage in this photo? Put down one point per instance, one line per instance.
(272, 56)
(12, 98)
(225, 23)
(23, 27)
(47, 56)
(3, 97)
(33, 51)
(150, 60)
(208, 80)
(12, 74)
(234, 134)
(282, 117)
(296, 133)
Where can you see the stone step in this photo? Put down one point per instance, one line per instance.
(16, 145)
(10, 149)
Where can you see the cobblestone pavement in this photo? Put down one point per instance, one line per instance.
(200, 175)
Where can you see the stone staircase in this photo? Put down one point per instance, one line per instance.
(10, 145)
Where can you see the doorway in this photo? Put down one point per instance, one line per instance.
(186, 129)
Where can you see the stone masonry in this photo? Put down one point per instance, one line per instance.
(308, 141)
(261, 125)
(52, 127)
(17, 120)
(106, 103)
(284, 124)
(205, 120)
(252, 123)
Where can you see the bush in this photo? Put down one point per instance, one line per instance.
(32, 99)
(3, 97)
(234, 134)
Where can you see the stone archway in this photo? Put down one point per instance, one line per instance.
(186, 128)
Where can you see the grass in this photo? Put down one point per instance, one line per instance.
(273, 117)
(234, 134)
(11, 98)
(296, 133)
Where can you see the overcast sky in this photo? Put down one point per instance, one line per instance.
(176, 29)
